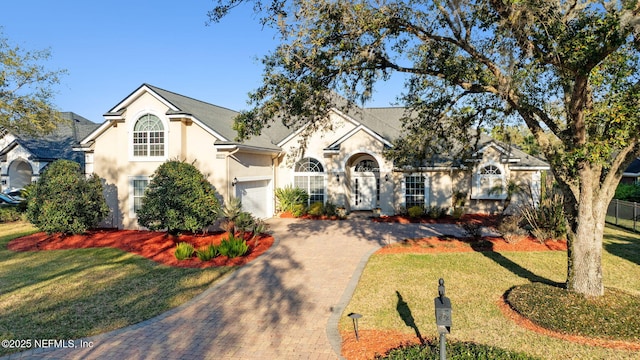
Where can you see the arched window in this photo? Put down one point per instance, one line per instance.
(309, 175)
(367, 166)
(489, 183)
(148, 137)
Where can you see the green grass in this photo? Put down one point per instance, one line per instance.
(396, 292)
(625, 223)
(69, 294)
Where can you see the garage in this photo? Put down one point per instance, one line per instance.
(255, 198)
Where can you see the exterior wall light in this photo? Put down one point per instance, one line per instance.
(234, 181)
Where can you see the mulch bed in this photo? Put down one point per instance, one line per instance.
(482, 219)
(155, 246)
(449, 244)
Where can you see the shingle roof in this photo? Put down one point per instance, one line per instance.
(384, 121)
(59, 144)
(634, 167)
(218, 119)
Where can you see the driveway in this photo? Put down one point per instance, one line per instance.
(284, 305)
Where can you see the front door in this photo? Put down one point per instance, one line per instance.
(364, 192)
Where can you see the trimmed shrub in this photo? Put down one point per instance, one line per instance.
(612, 316)
(64, 200)
(184, 251)
(330, 209)
(299, 210)
(178, 198)
(436, 212)
(233, 247)
(628, 192)
(316, 209)
(455, 350)
(415, 211)
(9, 213)
(207, 253)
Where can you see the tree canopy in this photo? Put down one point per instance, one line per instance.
(26, 90)
(568, 70)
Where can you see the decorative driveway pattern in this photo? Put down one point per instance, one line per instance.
(284, 305)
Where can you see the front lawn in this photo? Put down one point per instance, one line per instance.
(396, 291)
(69, 294)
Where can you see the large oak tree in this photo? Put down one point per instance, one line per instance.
(568, 68)
(26, 90)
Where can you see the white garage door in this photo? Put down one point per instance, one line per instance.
(254, 196)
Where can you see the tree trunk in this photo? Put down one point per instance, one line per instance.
(585, 235)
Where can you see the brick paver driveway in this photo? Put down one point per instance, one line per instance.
(284, 305)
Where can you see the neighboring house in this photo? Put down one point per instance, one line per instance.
(632, 173)
(24, 157)
(342, 164)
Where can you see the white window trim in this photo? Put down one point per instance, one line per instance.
(476, 188)
(324, 174)
(132, 213)
(165, 125)
(427, 189)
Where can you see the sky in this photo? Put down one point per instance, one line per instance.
(110, 48)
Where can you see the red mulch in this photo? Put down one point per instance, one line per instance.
(155, 246)
(372, 342)
(451, 244)
(484, 219)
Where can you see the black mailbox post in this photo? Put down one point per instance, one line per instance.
(443, 317)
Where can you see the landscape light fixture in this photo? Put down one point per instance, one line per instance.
(354, 317)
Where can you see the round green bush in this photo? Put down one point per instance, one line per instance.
(66, 201)
(178, 198)
(416, 211)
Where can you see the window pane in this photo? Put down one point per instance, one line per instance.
(309, 165)
(139, 186)
(148, 137)
(415, 191)
(313, 185)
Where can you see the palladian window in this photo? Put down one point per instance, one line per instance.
(148, 137)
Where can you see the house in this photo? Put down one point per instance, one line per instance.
(342, 164)
(24, 157)
(631, 173)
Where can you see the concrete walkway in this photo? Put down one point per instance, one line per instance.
(284, 305)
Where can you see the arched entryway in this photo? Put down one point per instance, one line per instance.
(20, 174)
(364, 174)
